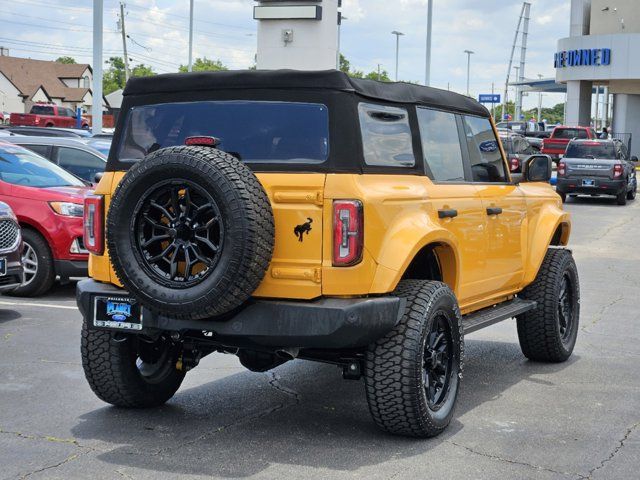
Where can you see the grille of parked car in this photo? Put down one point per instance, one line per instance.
(9, 232)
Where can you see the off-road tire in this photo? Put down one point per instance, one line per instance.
(109, 363)
(394, 364)
(246, 216)
(621, 199)
(45, 274)
(539, 330)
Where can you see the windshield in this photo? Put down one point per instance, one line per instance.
(20, 166)
(596, 150)
(255, 132)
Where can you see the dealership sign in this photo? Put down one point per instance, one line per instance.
(585, 57)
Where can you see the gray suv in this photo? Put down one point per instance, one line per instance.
(597, 167)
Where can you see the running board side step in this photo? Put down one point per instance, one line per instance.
(489, 316)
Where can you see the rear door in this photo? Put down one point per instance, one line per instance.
(454, 197)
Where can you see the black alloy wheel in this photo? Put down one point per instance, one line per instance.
(438, 362)
(565, 308)
(179, 233)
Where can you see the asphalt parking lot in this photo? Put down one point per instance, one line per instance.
(515, 418)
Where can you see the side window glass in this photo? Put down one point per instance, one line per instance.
(486, 160)
(441, 145)
(386, 136)
(82, 164)
(42, 150)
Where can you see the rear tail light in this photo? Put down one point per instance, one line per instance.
(94, 224)
(617, 171)
(562, 169)
(348, 232)
(515, 164)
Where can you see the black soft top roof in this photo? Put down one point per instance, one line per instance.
(296, 79)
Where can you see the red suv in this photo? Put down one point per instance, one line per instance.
(48, 202)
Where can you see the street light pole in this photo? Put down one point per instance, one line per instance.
(540, 102)
(340, 19)
(427, 74)
(398, 35)
(469, 53)
(190, 67)
(516, 113)
(96, 108)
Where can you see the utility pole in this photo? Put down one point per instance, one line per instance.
(127, 74)
(96, 110)
(469, 53)
(398, 35)
(379, 73)
(190, 66)
(493, 105)
(427, 75)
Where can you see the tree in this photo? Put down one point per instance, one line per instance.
(205, 65)
(66, 60)
(345, 66)
(114, 77)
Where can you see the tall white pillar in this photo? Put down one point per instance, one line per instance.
(578, 103)
(301, 44)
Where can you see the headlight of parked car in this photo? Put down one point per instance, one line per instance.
(67, 209)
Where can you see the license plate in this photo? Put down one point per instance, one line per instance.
(3, 266)
(122, 313)
(588, 183)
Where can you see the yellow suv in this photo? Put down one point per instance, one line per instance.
(276, 215)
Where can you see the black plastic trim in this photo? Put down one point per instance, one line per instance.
(322, 323)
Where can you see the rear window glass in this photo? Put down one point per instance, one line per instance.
(386, 136)
(570, 133)
(41, 110)
(585, 150)
(254, 132)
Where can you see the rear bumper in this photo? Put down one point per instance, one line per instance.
(603, 186)
(322, 323)
(71, 268)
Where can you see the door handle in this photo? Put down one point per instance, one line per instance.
(447, 213)
(494, 211)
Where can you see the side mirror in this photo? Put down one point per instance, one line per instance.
(537, 168)
(634, 159)
(98, 176)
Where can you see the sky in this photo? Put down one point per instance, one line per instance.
(225, 30)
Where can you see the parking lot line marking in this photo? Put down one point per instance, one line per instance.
(44, 305)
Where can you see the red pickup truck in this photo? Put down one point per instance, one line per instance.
(556, 145)
(48, 115)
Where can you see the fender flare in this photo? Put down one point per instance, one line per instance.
(550, 218)
(408, 240)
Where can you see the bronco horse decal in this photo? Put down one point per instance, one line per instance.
(300, 230)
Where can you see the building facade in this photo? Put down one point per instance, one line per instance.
(24, 81)
(603, 49)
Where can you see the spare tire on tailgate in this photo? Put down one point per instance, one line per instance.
(190, 232)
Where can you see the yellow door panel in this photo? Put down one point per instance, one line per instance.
(469, 228)
(505, 210)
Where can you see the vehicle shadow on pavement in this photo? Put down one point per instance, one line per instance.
(302, 414)
(7, 315)
(595, 201)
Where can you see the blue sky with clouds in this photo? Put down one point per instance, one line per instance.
(224, 29)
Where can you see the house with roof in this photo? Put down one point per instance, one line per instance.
(24, 81)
